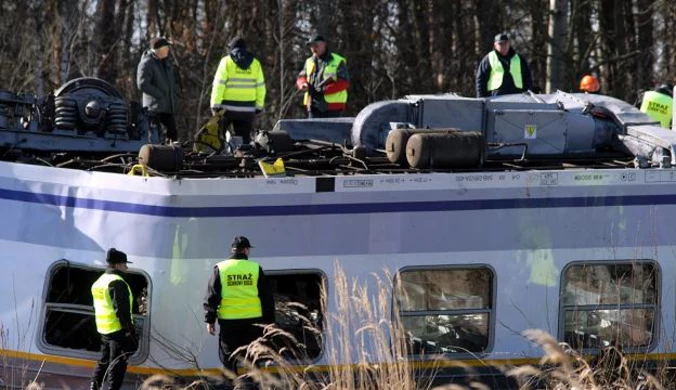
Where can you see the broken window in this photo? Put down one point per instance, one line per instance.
(299, 311)
(609, 304)
(445, 310)
(68, 322)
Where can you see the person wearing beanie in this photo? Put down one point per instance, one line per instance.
(113, 302)
(238, 90)
(240, 298)
(325, 81)
(156, 79)
(503, 71)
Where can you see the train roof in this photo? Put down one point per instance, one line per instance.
(87, 124)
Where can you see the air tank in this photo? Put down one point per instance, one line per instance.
(449, 149)
(163, 158)
(395, 144)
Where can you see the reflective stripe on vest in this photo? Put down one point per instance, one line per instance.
(659, 107)
(498, 72)
(330, 71)
(238, 89)
(239, 290)
(106, 319)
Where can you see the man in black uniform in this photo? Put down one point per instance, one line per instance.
(240, 297)
(113, 310)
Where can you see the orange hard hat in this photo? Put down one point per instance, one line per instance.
(589, 84)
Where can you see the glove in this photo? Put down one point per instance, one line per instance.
(319, 89)
(216, 110)
(258, 111)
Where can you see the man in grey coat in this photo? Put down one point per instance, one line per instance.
(156, 78)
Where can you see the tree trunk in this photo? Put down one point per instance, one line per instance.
(105, 36)
(644, 20)
(558, 33)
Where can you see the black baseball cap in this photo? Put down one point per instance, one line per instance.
(241, 242)
(116, 257)
(502, 37)
(316, 38)
(159, 42)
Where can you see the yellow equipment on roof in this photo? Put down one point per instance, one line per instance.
(208, 138)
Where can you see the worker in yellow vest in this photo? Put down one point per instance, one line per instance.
(239, 296)
(658, 104)
(239, 89)
(502, 71)
(113, 302)
(324, 80)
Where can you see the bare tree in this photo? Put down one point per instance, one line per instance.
(556, 50)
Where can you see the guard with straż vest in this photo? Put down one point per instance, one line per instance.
(658, 104)
(113, 302)
(239, 296)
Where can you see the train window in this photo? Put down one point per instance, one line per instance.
(299, 311)
(609, 305)
(68, 325)
(445, 310)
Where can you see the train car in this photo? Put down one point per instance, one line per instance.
(472, 219)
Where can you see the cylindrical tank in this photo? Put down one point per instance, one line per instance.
(395, 144)
(444, 150)
(163, 158)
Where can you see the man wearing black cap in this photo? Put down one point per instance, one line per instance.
(156, 78)
(239, 88)
(239, 296)
(502, 71)
(325, 81)
(113, 301)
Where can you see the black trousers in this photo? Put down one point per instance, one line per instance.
(169, 123)
(234, 334)
(315, 113)
(115, 350)
(242, 124)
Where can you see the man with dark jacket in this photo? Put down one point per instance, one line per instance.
(239, 89)
(502, 71)
(325, 80)
(239, 295)
(156, 78)
(113, 301)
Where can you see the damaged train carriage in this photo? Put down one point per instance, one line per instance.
(556, 216)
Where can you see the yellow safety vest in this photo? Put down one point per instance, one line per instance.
(498, 72)
(330, 71)
(239, 290)
(237, 89)
(106, 319)
(659, 107)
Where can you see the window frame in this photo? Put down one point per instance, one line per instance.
(657, 306)
(307, 271)
(491, 311)
(144, 346)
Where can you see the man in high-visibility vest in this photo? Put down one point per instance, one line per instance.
(325, 80)
(113, 302)
(502, 71)
(658, 104)
(239, 89)
(239, 296)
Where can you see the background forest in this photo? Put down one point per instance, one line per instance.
(393, 47)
